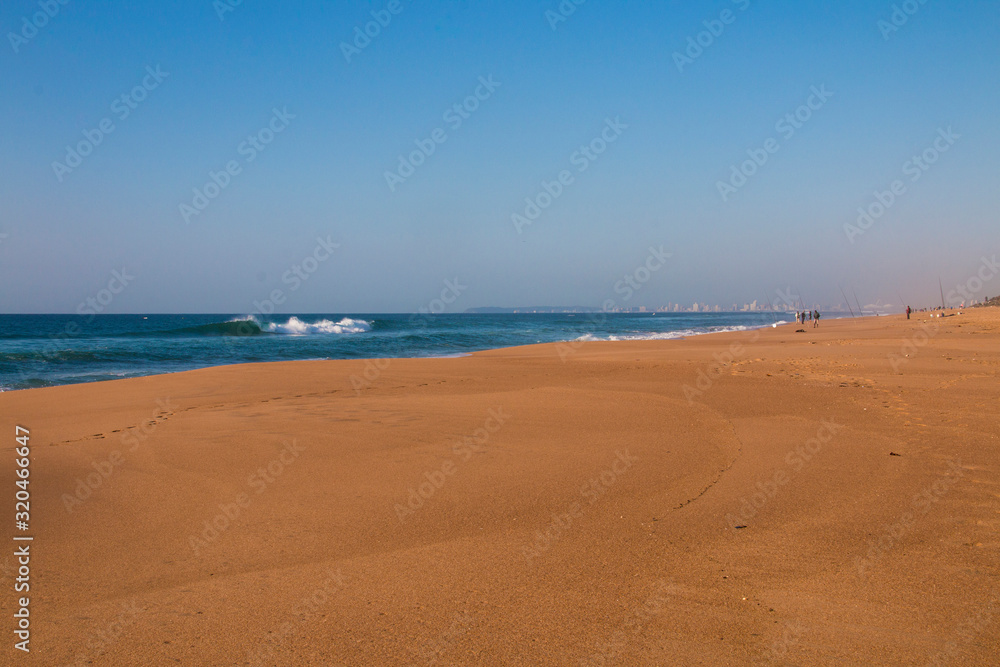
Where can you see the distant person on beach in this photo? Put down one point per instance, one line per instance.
(815, 318)
(908, 311)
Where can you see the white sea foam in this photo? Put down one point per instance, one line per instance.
(666, 335)
(296, 326)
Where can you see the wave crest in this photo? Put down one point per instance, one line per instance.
(296, 326)
(664, 335)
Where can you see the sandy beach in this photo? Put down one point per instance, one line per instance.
(830, 496)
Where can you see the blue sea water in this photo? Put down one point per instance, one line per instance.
(46, 350)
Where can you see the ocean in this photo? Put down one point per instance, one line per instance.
(47, 350)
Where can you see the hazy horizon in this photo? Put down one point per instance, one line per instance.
(204, 158)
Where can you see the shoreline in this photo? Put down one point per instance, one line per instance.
(652, 337)
(725, 498)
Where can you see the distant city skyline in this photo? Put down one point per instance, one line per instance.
(704, 307)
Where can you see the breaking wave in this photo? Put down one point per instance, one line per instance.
(665, 335)
(296, 326)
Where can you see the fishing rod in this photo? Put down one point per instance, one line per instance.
(770, 307)
(860, 309)
(902, 302)
(846, 300)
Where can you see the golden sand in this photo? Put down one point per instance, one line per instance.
(772, 496)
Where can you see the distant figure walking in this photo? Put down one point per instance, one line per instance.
(815, 316)
(908, 311)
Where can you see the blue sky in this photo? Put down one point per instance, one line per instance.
(343, 125)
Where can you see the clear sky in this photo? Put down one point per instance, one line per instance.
(191, 87)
